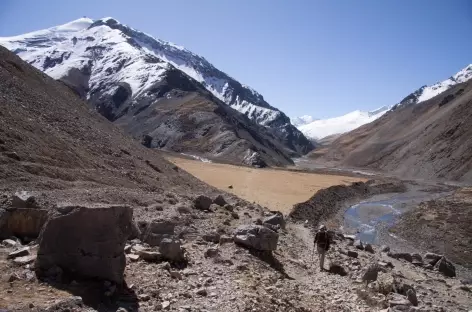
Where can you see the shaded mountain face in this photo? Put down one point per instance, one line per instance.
(51, 140)
(427, 140)
(118, 69)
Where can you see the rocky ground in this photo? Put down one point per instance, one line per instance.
(442, 226)
(210, 272)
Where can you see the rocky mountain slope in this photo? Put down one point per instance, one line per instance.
(428, 140)
(125, 73)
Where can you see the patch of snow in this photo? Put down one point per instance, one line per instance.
(302, 120)
(202, 159)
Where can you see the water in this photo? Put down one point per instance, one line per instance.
(370, 217)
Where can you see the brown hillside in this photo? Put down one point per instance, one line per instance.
(426, 140)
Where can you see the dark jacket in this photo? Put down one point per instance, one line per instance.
(322, 240)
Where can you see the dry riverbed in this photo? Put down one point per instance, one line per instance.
(275, 189)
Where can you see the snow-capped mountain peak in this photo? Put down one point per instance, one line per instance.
(321, 128)
(302, 120)
(104, 57)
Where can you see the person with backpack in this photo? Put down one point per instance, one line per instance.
(322, 244)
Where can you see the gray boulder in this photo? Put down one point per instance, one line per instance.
(257, 237)
(23, 200)
(21, 252)
(336, 268)
(384, 248)
(411, 295)
(275, 219)
(171, 249)
(203, 202)
(445, 267)
(352, 254)
(219, 200)
(86, 241)
(431, 258)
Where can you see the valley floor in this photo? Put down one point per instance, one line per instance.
(272, 188)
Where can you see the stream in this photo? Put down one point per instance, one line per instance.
(370, 220)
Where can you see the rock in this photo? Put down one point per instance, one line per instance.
(272, 227)
(386, 265)
(23, 199)
(369, 248)
(19, 253)
(371, 273)
(175, 274)
(397, 300)
(133, 257)
(165, 305)
(275, 219)
(127, 249)
(183, 209)
(213, 237)
(465, 288)
(22, 222)
(24, 260)
(219, 200)
(9, 243)
(154, 231)
(211, 252)
(171, 249)
(13, 277)
(358, 244)
(201, 292)
(352, 254)
(224, 239)
(417, 259)
(12, 155)
(230, 187)
(73, 303)
(400, 255)
(256, 237)
(144, 297)
(234, 214)
(228, 207)
(385, 283)
(150, 256)
(431, 258)
(445, 267)
(88, 241)
(336, 268)
(202, 202)
(384, 248)
(411, 295)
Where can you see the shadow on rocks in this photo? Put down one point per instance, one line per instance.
(269, 258)
(102, 296)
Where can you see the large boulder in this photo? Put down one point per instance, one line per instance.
(22, 222)
(86, 242)
(203, 202)
(257, 237)
(275, 219)
(445, 267)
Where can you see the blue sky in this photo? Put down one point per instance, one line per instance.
(323, 58)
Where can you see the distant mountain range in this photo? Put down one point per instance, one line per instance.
(320, 128)
(138, 82)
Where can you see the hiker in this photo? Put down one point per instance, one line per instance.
(322, 244)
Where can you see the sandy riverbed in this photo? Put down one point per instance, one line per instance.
(275, 189)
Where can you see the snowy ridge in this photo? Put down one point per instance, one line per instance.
(104, 52)
(319, 129)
